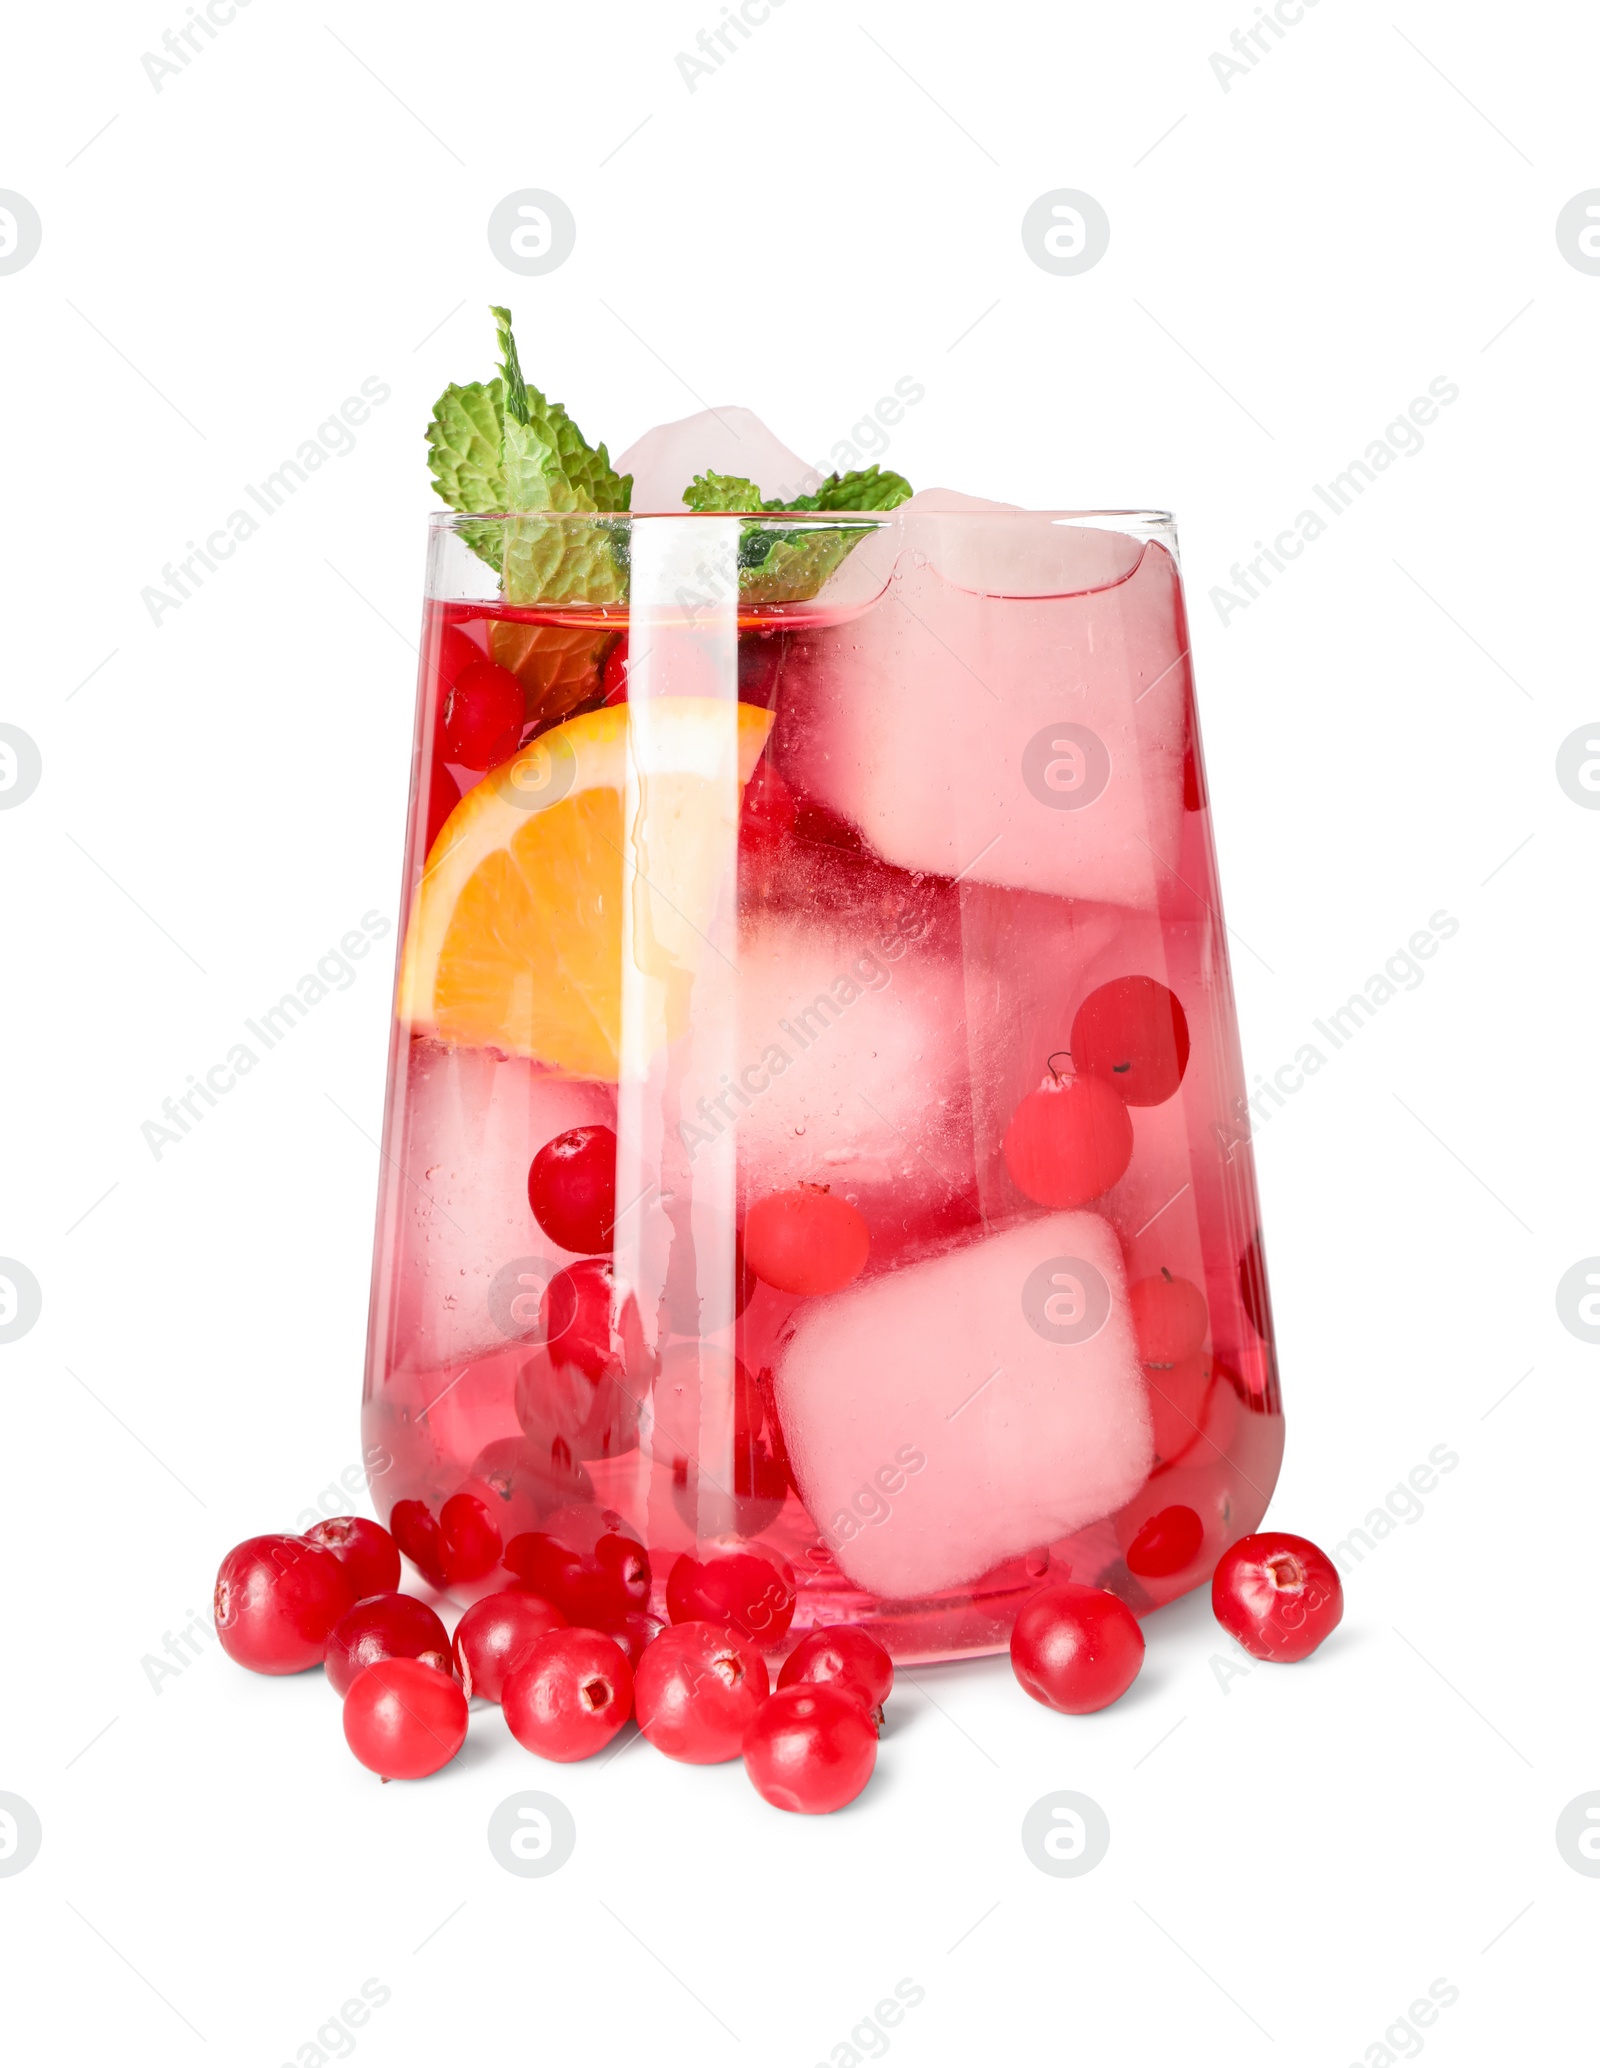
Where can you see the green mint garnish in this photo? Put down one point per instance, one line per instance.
(791, 566)
(501, 446)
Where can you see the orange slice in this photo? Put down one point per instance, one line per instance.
(519, 931)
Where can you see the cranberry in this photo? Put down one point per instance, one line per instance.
(589, 1563)
(517, 1484)
(385, 1626)
(842, 1657)
(365, 1549)
(444, 794)
(810, 1749)
(484, 713)
(631, 1633)
(1076, 1649)
(1169, 1318)
(572, 1188)
(1132, 1033)
(495, 1634)
(696, 1690)
(404, 1719)
(1069, 1142)
(614, 675)
(747, 1592)
(1165, 1544)
(468, 1537)
(569, 1694)
(1277, 1594)
(277, 1597)
(806, 1241)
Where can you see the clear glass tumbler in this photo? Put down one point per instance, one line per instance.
(812, 1131)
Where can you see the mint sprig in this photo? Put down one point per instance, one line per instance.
(500, 447)
(791, 566)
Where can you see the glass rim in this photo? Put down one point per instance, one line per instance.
(788, 520)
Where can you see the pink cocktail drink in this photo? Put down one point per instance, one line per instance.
(812, 1105)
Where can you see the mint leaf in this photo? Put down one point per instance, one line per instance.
(861, 489)
(724, 492)
(500, 446)
(791, 566)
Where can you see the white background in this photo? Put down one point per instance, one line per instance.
(1296, 1854)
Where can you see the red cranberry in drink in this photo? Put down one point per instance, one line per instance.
(404, 1720)
(277, 1598)
(1169, 1318)
(696, 1690)
(569, 1694)
(1279, 1595)
(365, 1549)
(614, 675)
(484, 712)
(385, 1626)
(1068, 1142)
(497, 1632)
(845, 1658)
(469, 1539)
(444, 794)
(805, 1241)
(748, 1590)
(1164, 1545)
(572, 1188)
(810, 1749)
(1132, 1033)
(1076, 1649)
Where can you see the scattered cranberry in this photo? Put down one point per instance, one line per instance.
(495, 1634)
(569, 1694)
(810, 1749)
(1169, 1318)
(845, 1658)
(743, 1590)
(277, 1598)
(1277, 1594)
(415, 1529)
(614, 675)
(1069, 1142)
(386, 1626)
(696, 1690)
(806, 1241)
(1133, 1033)
(468, 1538)
(1165, 1544)
(572, 1188)
(633, 1632)
(484, 713)
(404, 1719)
(365, 1549)
(1076, 1649)
(589, 1563)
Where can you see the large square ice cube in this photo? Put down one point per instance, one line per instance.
(1029, 740)
(967, 1408)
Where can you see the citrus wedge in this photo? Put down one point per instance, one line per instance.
(517, 935)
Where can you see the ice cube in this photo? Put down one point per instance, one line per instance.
(969, 725)
(724, 441)
(456, 1200)
(851, 1069)
(968, 1408)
